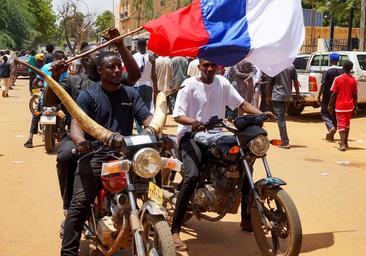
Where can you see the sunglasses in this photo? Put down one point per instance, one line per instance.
(207, 65)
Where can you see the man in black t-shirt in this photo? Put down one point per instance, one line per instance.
(5, 81)
(324, 95)
(114, 106)
(49, 55)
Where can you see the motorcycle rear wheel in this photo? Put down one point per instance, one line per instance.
(286, 234)
(49, 139)
(157, 236)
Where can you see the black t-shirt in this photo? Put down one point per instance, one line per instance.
(327, 82)
(49, 57)
(5, 70)
(116, 110)
(73, 85)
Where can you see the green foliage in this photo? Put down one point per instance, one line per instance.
(339, 10)
(25, 23)
(104, 20)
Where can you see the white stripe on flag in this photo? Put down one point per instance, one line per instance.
(276, 30)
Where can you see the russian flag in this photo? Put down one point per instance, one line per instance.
(268, 33)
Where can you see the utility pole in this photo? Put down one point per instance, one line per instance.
(349, 39)
(363, 26)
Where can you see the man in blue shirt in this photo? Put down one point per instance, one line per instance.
(58, 55)
(114, 106)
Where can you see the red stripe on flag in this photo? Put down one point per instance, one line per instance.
(180, 33)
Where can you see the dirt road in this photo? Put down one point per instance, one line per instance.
(328, 187)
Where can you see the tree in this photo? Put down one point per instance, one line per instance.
(75, 25)
(15, 23)
(104, 20)
(144, 10)
(26, 23)
(339, 10)
(44, 27)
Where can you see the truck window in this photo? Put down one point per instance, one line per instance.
(315, 61)
(325, 61)
(342, 59)
(362, 61)
(300, 62)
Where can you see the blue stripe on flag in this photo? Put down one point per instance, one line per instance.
(227, 25)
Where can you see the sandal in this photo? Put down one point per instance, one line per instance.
(28, 144)
(342, 148)
(180, 246)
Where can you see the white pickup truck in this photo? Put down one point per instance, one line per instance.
(310, 69)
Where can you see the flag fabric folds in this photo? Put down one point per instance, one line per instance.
(268, 33)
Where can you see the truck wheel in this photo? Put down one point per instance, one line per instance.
(295, 109)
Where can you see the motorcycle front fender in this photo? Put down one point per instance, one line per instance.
(153, 209)
(267, 183)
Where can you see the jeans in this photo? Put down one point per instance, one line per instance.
(66, 164)
(191, 156)
(146, 93)
(330, 121)
(280, 109)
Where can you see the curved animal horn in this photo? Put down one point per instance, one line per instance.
(85, 122)
(159, 117)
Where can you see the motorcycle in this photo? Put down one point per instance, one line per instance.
(117, 221)
(52, 125)
(228, 158)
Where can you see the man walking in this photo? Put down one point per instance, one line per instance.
(5, 80)
(343, 101)
(280, 92)
(324, 95)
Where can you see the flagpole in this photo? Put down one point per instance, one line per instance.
(103, 45)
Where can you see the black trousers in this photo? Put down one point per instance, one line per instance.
(34, 124)
(66, 164)
(86, 188)
(32, 76)
(191, 156)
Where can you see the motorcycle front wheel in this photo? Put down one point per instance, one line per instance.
(157, 236)
(285, 235)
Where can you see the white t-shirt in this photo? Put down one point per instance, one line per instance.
(201, 101)
(193, 69)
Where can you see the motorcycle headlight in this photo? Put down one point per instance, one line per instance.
(147, 162)
(259, 146)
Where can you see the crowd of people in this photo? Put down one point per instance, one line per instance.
(201, 89)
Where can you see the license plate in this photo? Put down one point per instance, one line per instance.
(155, 193)
(48, 120)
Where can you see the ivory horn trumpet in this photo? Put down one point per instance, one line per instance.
(85, 122)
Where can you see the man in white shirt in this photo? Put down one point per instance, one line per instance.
(147, 84)
(193, 69)
(202, 97)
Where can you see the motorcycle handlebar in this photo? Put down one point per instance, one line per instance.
(95, 145)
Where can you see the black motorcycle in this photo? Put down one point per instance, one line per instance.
(127, 215)
(228, 158)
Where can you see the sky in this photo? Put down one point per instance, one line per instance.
(95, 6)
